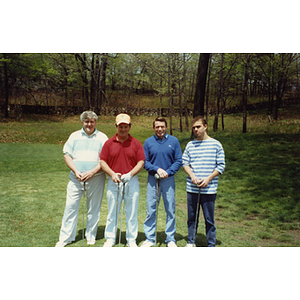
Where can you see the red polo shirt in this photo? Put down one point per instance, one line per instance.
(122, 157)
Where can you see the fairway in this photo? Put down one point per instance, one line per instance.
(258, 202)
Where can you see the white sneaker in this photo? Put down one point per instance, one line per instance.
(109, 243)
(190, 245)
(131, 244)
(91, 242)
(147, 244)
(62, 244)
(172, 244)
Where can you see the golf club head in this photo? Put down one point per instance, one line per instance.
(156, 176)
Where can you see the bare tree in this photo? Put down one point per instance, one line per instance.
(185, 95)
(245, 91)
(201, 84)
(5, 86)
(220, 93)
(103, 78)
(83, 72)
(169, 93)
(208, 87)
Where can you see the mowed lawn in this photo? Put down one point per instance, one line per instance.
(258, 202)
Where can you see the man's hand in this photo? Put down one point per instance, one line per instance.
(162, 173)
(195, 179)
(203, 182)
(116, 177)
(78, 175)
(87, 175)
(126, 177)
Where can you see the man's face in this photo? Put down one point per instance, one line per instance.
(199, 129)
(123, 130)
(160, 129)
(89, 126)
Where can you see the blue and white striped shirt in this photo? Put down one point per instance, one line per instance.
(85, 149)
(203, 157)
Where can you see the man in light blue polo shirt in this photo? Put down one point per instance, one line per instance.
(82, 156)
(163, 156)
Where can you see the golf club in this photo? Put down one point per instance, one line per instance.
(83, 212)
(156, 176)
(117, 206)
(196, 219)
(122, 205)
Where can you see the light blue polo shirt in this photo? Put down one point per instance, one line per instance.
(85, 149)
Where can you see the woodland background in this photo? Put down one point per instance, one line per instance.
(168, 84)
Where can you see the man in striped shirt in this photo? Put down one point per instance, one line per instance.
(82, 156)
(203, 160)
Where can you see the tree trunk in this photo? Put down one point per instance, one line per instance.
(66, 87)
(103, 79)
(220, 94)
(160, 97)
(169, 93)
(6, 86)
(279, 90)
(97, 72)
(180, 104)
(201, 84)
(85, 83)
(245, 92)
(207, 89)
(185, 96)
(93, 83)
(66, 94)
(271, 97)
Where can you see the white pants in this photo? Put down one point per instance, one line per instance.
(94, 192)
(131, 199)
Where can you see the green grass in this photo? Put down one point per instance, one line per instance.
(258, 201)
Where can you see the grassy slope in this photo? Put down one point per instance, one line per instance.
(258, 197)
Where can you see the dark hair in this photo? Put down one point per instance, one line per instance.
(160, 119)
(199, 118)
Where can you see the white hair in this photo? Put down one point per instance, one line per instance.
(86, 115)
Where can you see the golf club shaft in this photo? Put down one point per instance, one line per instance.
(197, 213)
(122, 200)
(83, 212)
(117, 208)
(157, 203)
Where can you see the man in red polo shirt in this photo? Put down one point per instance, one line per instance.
(122, 158)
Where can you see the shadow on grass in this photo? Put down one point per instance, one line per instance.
(161, 237)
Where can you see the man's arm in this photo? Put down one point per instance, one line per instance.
(148, 166)
(81, 177)
(89, 174)
(202, 183)
(105, 167)
(194, 178)
(205, 181)
(175, 166)
(69, 162)
(138, 167)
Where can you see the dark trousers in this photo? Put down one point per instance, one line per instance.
(207, 202)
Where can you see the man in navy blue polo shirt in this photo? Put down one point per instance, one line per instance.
(164, 157)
